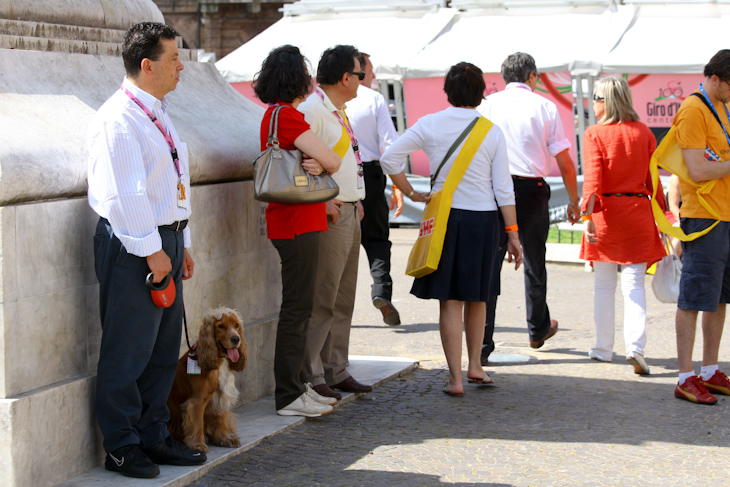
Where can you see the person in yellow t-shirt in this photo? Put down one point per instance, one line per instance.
(703, 133)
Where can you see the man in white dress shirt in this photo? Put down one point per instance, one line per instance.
(371, 122)
(328, 333)
(535, 136)
(139, 185)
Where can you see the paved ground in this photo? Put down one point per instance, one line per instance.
(558, 420)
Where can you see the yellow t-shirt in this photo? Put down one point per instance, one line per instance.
(697, 128)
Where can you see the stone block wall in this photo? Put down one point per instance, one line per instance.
(220, 26)
(49, 318)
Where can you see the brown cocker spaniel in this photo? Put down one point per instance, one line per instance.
(200, 404)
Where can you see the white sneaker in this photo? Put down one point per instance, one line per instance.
(637, 360)
(305, 406)
(316, 396)
(595, 356)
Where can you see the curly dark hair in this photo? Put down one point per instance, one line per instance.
(518, 67)
(283, 77)
(464, 85)
(142, 41)
(335, 62)
(719, 65)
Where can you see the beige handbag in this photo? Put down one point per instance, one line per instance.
(280, 178)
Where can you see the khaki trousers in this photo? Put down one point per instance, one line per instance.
(328, 333)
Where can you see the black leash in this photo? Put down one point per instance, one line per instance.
(191, 350)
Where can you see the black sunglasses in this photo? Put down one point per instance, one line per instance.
(597, 98)
(360, 75)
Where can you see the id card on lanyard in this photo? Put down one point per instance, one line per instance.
(181, 194)
(353, 140)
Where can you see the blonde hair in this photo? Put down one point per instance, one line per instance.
(618, 103)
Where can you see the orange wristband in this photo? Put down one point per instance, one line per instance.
(587, 217)
(511, 228)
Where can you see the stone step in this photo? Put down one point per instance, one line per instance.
(255, 422)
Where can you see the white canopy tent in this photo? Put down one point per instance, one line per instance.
(392, 37)
(555, 37)
(677, 39)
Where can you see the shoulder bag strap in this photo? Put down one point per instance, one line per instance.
(466, 154)
(709, 107)
(453, 148)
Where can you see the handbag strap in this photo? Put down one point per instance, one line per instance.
(274, 128)
(453, 147)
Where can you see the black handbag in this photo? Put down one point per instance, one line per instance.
(280, 178)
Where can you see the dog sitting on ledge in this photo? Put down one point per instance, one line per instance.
(204, 392)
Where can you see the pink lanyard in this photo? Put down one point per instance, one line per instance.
(350, 133)
(158, 124)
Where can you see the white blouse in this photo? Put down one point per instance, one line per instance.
(486, 179)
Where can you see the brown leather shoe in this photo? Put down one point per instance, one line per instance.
(324, 390)
(390, 314)
(351, 385)
(551, 333)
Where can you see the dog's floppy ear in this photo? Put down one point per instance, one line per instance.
(207, 348)
(242, 347)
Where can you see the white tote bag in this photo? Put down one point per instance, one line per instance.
(665, 283)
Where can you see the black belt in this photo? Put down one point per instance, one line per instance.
(525, 177)
(175, 226)
(639, 195)
(371, 163)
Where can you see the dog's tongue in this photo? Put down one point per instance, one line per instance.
(233, 354)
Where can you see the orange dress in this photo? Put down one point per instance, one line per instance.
(617, 160)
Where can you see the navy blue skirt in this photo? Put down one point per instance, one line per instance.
(467, 261)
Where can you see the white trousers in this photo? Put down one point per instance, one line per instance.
(604, 307)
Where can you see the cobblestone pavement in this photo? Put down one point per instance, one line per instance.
(560, 419)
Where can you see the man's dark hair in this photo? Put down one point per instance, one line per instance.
(363, 60)
(283, 76)
(518, 67)
(143, 41)
(719, 65)
(335, 62)
(464, 85)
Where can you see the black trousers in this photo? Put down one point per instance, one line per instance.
(488, 343)
(299, 261)
(533, 218)
(140, 342)
(375, 232)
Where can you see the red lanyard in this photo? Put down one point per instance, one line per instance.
(158, 124)
(350, 133)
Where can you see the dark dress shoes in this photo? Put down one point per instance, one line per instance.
(324, 390)
(351, 385)
(170, 452)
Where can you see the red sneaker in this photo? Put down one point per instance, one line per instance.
(694, 390)
(718, 383)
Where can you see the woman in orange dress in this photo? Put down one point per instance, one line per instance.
(620, 227)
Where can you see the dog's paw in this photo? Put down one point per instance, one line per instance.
(201, 447)
(230, 442)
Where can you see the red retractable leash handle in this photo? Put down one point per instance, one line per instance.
(163, 292)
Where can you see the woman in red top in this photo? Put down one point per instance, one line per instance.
(294, 229)
(620, 226)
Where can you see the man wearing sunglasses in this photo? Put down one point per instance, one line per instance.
(328, 336)
(534, 135)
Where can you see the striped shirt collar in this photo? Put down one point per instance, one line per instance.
(147, 100)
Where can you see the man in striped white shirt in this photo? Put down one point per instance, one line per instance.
(139, 184)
